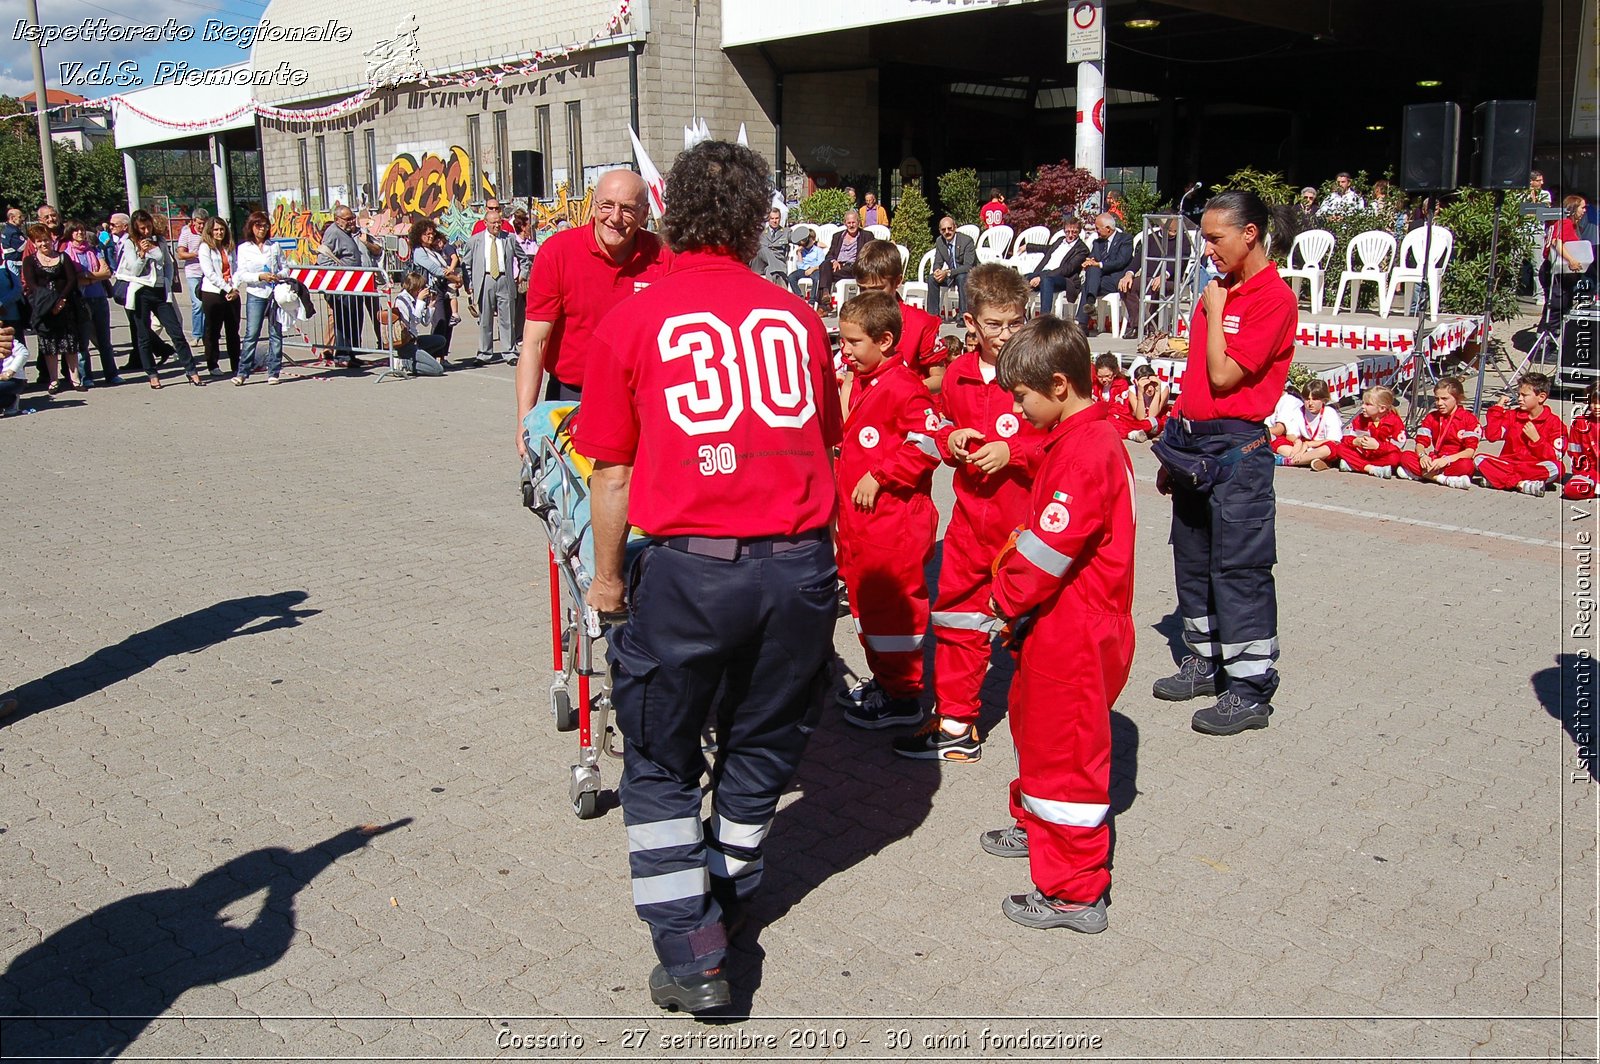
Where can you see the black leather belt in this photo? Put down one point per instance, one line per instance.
(728, 549)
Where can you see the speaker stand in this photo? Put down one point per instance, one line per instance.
(1488, 300)
(1418, 362)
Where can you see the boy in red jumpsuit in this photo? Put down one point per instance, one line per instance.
(1375, 438)
(1141, 413)
(1535, 441)
(1583, 448)
(878, 269)
(1446, 440)
(1070, 571)
(887, 522)
(993, 450)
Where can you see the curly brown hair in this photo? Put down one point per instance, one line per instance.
(717, 197)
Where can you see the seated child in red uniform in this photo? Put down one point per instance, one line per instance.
(1583, 448)
(1375, 438)
(1069, 579)
(1446, 440)
(887, 521)
(878, 269)
(1144, 408)
(1310, 435)
(1535, 440)
(1110, 384)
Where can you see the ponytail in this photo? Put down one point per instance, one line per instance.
(1277, 225)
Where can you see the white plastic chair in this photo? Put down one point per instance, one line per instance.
(843, 291)
(970, 230)
(1034, 234)
(879, 232)
(1026, 262)
(1408, 269)
(905, 256)
(925, 266)
(825, 233)
(1308, 261)
(1375, 250)
(994, 243)
(1115, 312)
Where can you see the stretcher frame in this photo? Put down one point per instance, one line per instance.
(554, 487)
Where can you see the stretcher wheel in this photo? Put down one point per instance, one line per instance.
(561, 708)
(587, 805)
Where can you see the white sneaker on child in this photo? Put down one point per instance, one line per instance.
(1345, 466)
(1381, 472)
(1531, 487)
(1400, 471)
(1464, 483)
(1139, 436)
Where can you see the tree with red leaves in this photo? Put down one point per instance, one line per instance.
(1055, 187)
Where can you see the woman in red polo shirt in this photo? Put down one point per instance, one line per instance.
(1217, 466)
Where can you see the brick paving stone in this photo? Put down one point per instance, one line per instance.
(281, 614)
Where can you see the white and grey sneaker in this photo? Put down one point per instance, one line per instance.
(1005, 842)
(1464, 483)
(1532, 487)
(1035, 909)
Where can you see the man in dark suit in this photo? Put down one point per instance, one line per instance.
(1061, 269)
(954, 256)
(1109, 259)
(843, 251)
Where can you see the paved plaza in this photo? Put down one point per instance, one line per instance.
(245, 623)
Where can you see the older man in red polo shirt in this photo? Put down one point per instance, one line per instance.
(578, 276)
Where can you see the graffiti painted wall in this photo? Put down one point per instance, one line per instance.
(422, 184)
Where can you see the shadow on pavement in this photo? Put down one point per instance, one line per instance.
(188, 634)
(90, 989)
(1566, 690)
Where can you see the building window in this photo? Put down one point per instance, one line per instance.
(352, 187)
(574, 147)
(305, 174)
(546, 159)
(474, 158)
(502, 153)
(322, 174)
(372, 164)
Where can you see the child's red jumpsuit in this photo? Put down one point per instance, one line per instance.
(919, 347)
(1072, 567)
(1439, 434)
(987, 510)
(883, 553)
(1387, 429)
(1522, 459)
(1583, 455)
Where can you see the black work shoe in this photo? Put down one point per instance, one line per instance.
(1231, 715)
(933, 743)
(1195, 677)
(689, 993)
(1035, 909)
(878, 710)
(1005, 842)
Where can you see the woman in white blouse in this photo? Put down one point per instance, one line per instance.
(144, 267)
(261, 266)
(219, 291)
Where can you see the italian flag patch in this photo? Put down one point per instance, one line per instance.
(1061, 496)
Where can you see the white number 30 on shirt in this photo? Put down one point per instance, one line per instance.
(765, 369)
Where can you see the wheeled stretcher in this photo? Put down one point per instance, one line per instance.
(555, 486)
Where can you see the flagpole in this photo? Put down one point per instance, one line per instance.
(41, 109)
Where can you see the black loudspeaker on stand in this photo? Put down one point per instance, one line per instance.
(1430, 146)
(1503, 150)
(527, 174)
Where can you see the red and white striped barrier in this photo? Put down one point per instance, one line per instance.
(338, 280)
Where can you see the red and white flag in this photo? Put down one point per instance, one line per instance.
(652, 177)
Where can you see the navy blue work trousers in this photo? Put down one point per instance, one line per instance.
(1224, 545)
(746, 644)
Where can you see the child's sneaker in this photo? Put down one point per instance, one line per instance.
(858, 694)
(933, 743)
(1464, 483)
(1035, 909)
(1319, 466)
(878, 710)
(1401, 474)
(1381, 472)
(1345, 466)
(1531, 487)
(1005, 842)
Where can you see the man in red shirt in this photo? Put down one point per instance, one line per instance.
(578, 276)
(725, 381)
(1217, 466)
